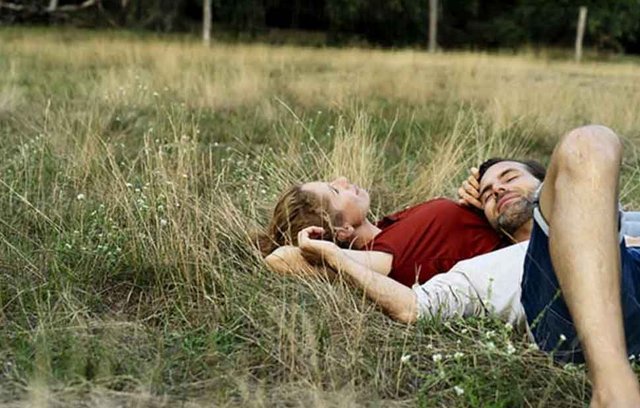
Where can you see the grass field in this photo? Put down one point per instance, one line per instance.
(133, 172)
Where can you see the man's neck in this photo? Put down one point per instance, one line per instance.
(524, 232)
(365, 233)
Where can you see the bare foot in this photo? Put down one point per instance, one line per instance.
(619, 393)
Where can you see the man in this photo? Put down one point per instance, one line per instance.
(578, 208)
(577, 245)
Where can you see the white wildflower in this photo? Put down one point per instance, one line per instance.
(458, 355)
(405, 358)
(508, 326)
(490, 334)
(436, 358)
(163, 222)
(491, 345)
(510, 348)
(458, 390)
(563, 337)
(80, 197)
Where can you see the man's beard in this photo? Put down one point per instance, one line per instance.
(515, 215)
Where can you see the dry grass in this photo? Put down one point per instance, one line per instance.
(133, 172)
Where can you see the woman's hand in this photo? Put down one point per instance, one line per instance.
(317, 250)
(469, 192)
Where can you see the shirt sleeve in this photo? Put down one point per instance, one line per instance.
(447, 296)
(487, 284)
(631, 223)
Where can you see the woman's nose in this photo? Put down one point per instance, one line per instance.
(341, 181)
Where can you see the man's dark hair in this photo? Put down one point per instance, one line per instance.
(536, 169)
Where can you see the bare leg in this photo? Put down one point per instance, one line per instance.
(579, 200)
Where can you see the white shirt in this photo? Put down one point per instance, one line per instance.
(488, 283)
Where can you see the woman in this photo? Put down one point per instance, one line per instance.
(410, 246)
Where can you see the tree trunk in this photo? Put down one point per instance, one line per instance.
(53, 5)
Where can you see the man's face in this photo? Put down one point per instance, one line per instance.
(506, 193)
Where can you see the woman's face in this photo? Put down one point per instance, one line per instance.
(351, 201)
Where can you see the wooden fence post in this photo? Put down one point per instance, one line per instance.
(433, 25)
(206, 22)
(582, 22)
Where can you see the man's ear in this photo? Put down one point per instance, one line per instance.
(346, 233)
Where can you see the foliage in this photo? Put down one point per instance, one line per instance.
(612, 25)
(134, 170)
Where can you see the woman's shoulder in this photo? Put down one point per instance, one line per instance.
(440, 206)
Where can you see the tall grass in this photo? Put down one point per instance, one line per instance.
(133, 173)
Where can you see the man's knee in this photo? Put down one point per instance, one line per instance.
(589, 149)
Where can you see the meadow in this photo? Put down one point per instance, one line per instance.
(134, 171)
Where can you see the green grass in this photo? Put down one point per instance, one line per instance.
(133, 172)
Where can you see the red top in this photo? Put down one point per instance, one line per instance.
(431, 237)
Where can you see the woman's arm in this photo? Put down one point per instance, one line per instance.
(288, 260)
(397, 300)
(377, 261)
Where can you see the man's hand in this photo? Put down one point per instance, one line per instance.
(469, 192)
(317, 250)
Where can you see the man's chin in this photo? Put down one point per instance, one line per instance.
(511, 222)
